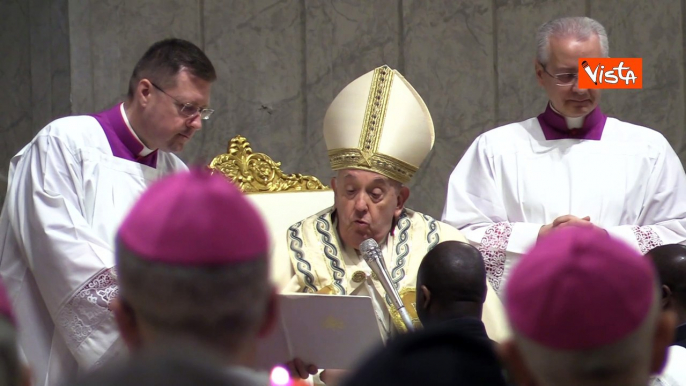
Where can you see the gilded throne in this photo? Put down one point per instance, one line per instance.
(282, 199)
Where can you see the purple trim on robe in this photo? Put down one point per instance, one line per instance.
(122, 142)
(554, 125)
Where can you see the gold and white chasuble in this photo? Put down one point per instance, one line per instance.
(323, 264)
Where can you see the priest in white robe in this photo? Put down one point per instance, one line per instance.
(68, 190)
(571, 165)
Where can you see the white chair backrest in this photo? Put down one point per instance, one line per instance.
(282, 199)
(280, 211)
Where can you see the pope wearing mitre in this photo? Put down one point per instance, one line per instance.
(378, 131)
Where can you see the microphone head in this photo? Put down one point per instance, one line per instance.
(368, 245)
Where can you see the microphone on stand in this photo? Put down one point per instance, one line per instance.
(372, 255)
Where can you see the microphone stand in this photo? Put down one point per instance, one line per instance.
(372, 255)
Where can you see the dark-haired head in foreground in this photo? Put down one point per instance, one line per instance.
(438, 355)
(172, 365)
(670, 262)
(453, 348)
(451, 283)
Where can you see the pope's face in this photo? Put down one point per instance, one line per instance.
(569, 100)
(367, 204)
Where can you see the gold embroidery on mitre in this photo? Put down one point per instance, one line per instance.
(379, 163)
(365, 161)
(375, 112)
(365, 157)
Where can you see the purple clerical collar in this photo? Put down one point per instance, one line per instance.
(554, 125)
(123, 142)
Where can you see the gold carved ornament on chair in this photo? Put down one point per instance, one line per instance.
(258, 172)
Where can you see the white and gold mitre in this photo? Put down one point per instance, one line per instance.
(381, 124)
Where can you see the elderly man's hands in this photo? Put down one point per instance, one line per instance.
(299, 369)
(566, 220)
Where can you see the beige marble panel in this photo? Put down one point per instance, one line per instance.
(519, 95)
(343, 40)
(652, 31)
(257, 49)
(109, 36)
(449, 58)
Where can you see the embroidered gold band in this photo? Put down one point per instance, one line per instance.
(365, 157)
(379, 163)
(375, 112)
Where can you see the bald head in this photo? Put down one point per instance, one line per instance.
(451, 282)
(670, 262)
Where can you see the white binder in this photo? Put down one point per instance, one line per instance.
(332, 332)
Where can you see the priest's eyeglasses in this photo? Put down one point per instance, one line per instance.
(188, 109)
(563, 79)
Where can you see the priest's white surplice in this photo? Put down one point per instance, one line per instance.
(67, 194)
(511, 181)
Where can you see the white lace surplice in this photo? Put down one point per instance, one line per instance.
(511, 181)
(67, 195)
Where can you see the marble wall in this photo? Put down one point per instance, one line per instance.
(281, 62)
(34, 72)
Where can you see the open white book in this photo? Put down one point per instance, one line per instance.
(332, 332)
